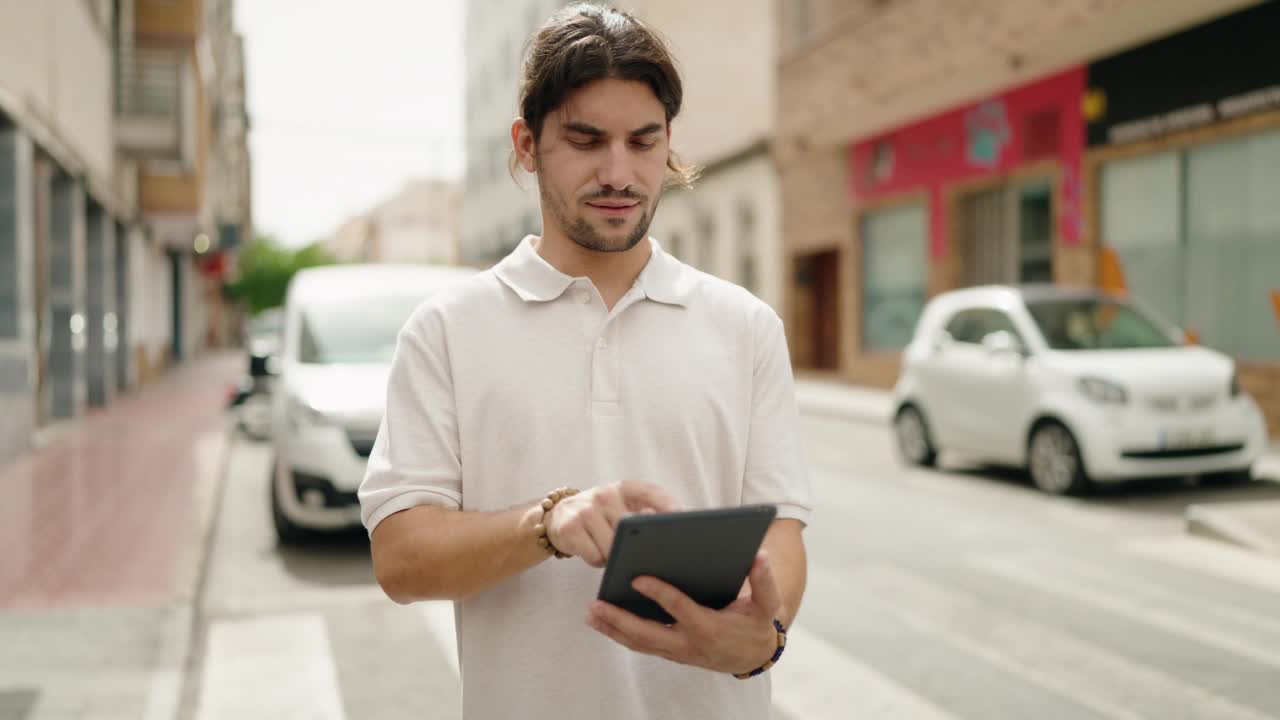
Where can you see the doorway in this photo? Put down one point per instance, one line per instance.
(1007, 232)
(817, 311)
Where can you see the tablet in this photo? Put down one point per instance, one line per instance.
(705, 553)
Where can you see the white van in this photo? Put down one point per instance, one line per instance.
(340, 329)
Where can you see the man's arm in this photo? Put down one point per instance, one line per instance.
(785, 546)
(434, 553)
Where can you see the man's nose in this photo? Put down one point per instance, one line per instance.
(616, 170)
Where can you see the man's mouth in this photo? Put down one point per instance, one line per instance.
(614, 208)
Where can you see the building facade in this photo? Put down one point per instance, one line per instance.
(497, 211)
(89, 287)
(928, 145)
(729, 223)
(419, 224)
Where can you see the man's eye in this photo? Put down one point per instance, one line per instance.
(642, 145)
(584, 144)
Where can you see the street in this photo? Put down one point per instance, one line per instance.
(932, 594)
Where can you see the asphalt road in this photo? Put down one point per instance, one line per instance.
(959, 593)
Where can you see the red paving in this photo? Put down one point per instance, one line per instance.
(103, 515)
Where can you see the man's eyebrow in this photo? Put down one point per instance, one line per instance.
(585, 129)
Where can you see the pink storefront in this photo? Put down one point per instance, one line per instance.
(986, 192)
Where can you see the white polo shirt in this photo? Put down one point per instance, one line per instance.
(518, 381)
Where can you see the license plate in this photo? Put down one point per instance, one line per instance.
(1179, 438)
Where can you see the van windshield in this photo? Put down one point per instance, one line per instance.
(360, 330)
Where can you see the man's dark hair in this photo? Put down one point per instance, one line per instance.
(583, 43)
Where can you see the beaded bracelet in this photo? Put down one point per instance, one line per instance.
(553, 497)
(782, 645)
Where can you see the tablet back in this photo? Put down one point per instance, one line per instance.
(705, 553)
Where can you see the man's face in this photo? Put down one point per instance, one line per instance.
(601, 161)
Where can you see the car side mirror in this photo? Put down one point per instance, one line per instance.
(263, 365)
(1003, 342)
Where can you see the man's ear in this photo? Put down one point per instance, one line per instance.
(523, 141)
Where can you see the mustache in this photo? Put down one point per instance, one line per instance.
(611, 194)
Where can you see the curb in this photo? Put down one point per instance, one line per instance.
(190, 593)
(1222, 524)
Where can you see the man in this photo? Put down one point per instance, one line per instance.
(589, 358)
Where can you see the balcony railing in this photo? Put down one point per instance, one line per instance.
(155, 101)
(149, 81)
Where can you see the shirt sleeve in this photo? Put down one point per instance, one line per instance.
(415, 459)
(775, 469)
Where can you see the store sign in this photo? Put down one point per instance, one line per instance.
(1039, 122)
(1218, 71)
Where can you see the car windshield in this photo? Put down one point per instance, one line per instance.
(354, 331)
(266, 323)
(1096, 324)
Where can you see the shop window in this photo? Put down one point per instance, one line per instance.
(747, 247)
(706, 243)
(1141, 207)
(1233, 244)
(10, 301)
(895, 269)
(1197, 233)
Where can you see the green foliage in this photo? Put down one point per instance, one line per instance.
(265, 271)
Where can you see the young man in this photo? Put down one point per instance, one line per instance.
(589, 358)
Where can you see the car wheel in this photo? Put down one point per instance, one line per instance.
(914, 444)
(1054, 463)
(287, 531)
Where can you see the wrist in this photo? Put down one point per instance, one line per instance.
(545, 507)
(777, 643)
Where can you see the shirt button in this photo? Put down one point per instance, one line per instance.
(584, 297)
(600, 343)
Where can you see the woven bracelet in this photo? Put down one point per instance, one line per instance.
(782, 645)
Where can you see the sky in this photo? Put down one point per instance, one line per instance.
(347, 101)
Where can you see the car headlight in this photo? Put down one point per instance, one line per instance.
(1103, 391)
(303, 415)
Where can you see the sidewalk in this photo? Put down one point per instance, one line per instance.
(1254, 525)
(112, 510)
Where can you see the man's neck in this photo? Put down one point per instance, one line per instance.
(612, 273)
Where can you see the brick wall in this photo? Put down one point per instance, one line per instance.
(1262, 381)
(174, 19)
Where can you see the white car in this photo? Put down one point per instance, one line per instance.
(1075, 385)
(340, 329)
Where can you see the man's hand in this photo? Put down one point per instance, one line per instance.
(737, 639)
(584, 524)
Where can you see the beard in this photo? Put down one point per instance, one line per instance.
(584, 234)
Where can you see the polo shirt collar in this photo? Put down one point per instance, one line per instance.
(664, 279)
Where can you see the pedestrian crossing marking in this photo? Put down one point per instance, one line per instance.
(817, 680)
(273, 667)
(1142, 613)
(1211, 557)
(439, 618)
(1058, 661)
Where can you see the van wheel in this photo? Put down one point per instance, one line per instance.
(288, 532)
(1055, 463)
(914, 443)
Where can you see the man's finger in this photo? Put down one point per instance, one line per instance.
(678, 605)
(764, 589)
(639, 496)
(641, 635)
(601, 534)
